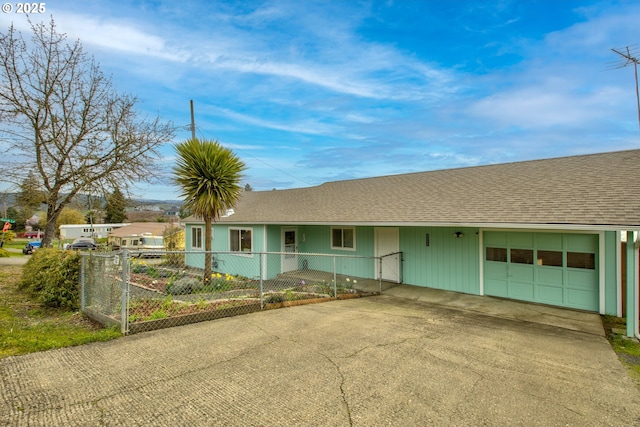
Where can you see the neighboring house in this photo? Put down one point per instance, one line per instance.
(133, 235)
(148, 208)
(174, 239)
(545, 231)
(96, 231)
(172, 211)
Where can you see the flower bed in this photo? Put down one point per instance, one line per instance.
(163, 297)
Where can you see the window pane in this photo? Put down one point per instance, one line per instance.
(196, 237)
(336, 238)
(497, 254)
(289, 237)
(581, 260)
(245, 240)
(522, 256)
(551, 258)
(234, 240)
(347, 238)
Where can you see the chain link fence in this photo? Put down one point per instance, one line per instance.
(141, 292)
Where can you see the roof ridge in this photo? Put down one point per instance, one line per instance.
(491, 165)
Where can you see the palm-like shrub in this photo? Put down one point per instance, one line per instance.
(208, 175)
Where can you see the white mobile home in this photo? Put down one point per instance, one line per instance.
(139, 236)
(97, 231)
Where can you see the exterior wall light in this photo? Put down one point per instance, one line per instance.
(458, 234)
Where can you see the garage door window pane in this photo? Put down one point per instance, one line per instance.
(551, 258)
(497, 254)
(522, 256)
(581, 260)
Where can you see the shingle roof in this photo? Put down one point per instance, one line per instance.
(596, 189)
(137, 228)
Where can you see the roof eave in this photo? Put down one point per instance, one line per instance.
(480, 225)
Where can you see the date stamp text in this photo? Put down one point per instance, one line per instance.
(24, 7)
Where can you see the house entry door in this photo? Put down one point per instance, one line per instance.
(388, 242)
(289, 246)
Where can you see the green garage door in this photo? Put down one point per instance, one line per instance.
(550, 268)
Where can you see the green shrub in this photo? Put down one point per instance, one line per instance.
(53, 275)
(184, 286)
(4, 253)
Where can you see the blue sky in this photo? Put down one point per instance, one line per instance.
(307, 92)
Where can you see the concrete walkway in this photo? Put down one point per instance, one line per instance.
(14, 260)
(394, 359)
(22, 260)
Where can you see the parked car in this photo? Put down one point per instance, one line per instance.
(83, 244)
(31, 247)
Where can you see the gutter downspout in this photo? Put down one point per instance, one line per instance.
(637, 288)
(632, 285)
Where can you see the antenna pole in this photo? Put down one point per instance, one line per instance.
(630, 59)
(635, 70)
(193, 122)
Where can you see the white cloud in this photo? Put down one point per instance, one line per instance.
(309, 126)
(540, 106)
(119, 36)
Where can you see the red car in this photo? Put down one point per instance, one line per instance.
(33, 234)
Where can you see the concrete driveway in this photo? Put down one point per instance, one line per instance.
(386, 360)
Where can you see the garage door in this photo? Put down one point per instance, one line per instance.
(550, 268)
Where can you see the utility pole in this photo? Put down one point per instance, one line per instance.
(193, 122)
(629, 57)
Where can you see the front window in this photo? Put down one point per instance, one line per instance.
(343, 238)
(196, 238)
(240, 240)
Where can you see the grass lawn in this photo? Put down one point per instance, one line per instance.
(628, 350)
(26, 326)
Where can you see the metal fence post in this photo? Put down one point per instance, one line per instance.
(125, 292)
(380, 273)
(83, 271)
(335, 279)
(261, 281)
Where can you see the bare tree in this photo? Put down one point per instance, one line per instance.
(62, 118)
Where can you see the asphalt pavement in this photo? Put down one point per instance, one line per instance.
(388, 360)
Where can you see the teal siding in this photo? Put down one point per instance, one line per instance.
(273, 263)
(317, 239)
(242, 265)
(611, 273)
(274, 234)
(448, 262)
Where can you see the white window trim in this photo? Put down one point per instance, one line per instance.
(240, 253)
(201, 228)
(340, 248)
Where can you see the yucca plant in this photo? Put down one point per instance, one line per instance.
(209, 176)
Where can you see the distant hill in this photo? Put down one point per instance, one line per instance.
(80, 200)
(147, 216)
(136, 202)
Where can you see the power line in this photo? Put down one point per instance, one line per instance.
(193, 128)
(259, 160)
